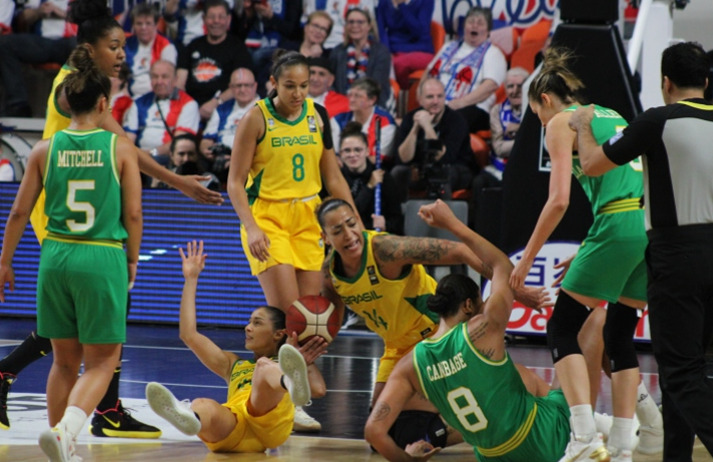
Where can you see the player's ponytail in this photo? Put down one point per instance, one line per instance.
(451, 292)
(84, 87)
(557, 78)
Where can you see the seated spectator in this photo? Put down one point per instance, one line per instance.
(363, 177)
(363, 109)
(361, 56)
(315, 32)
(185, 20)
(337, 10)
(471, 70)
(7, 12)
(154, 119)
(52, 40)
(433, 146)
(321, 79)
(269, 24)
(7, 171)
(219, 133)
(120, 99)
(402, 26)
(145, 47)
(205, 65)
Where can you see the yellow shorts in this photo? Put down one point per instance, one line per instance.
(38, 218)
(388, 361)
(294, 233)
(256, 434)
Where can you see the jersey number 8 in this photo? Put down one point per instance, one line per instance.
(466, 408)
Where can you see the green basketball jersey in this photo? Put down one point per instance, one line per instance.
(83, 186)
(623, 182)
(484, 400)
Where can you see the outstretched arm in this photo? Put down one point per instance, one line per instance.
(399, 388)
(211, 355)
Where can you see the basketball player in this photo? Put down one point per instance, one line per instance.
(466, 372)
(93, 205)
(609, 267)
(259, 410)
(283, 148)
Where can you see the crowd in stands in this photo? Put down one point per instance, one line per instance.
(195, 68)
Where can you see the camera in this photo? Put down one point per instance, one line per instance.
(221, 161)
(431, 172)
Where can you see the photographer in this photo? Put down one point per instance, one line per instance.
(183, 160)
(433, 146)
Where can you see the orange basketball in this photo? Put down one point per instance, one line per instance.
(312, 315)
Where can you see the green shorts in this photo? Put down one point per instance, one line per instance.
(610, 262)
(548, 436)
(82, 292)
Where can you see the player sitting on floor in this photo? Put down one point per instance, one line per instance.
(262, 395)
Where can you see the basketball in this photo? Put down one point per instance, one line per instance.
(312, 315)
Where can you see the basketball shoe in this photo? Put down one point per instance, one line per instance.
(592, 450)
(620, 455)
(6, 380)
(651, 438)
(118, 423)
(293, 366)
(178, 413)
(57, 445)
(305, 423)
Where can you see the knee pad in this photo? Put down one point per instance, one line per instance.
(412, 426)
(619, 336)
(567, 319)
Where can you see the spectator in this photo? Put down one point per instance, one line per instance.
(7, 12)
(145, 47)
(120, 99)
(321, 79)
(362, 178)
(219, 133)
(315, 32)
(183, 159)
(361, 56)
(471, 70)
(337, 10)
(52, 42)
(362, 102)
(205, 65)
(433, 145)
(269, 24)
(402, 24)
(163, 113)
(7, 171)
(185, 20)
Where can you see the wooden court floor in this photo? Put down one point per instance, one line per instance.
(154, 353)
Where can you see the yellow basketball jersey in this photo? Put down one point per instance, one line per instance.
(241, 383)
(56, 120)
(287, 158)
(393, 308)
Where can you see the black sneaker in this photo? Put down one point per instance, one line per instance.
(6, 380)
(118, 423)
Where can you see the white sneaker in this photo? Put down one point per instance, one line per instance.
(650, 438)
(620, 455)
(178, 413)
(294, 368)
(603, 423)
(305, 423)
(592, 451)
(57, 445)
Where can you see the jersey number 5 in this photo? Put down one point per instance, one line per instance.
(81, 207)
(466, 408)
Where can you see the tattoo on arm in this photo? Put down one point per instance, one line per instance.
(488, 352)
(479, 332)
(487, 271)
(422, 250)
(381, 411)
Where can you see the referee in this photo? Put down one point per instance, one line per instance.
(676, 141)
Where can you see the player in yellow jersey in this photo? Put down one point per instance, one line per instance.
(261, 394)
(382, 278)
(103, 37)
(282, 151)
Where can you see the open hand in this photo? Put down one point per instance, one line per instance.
(193, 259)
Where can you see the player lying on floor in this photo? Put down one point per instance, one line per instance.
(466, 372)
(262, 393)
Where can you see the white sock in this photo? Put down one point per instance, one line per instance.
(646, 409)
(74, 419)
(620, 434)
(582, 420)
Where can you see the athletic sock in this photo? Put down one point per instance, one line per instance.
(74, 419)
(582, 420)
(620, 434)
(31, 349)
(111, 397)
(646, 409)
